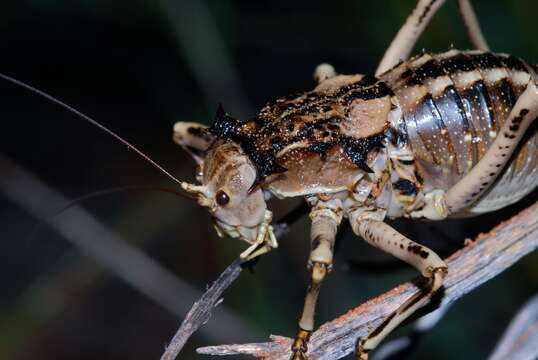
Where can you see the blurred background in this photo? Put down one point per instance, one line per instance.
(112, 277)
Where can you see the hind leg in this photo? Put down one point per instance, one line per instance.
(416, 23)
(384, 237)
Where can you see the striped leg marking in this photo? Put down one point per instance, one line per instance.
(483, 174)
(324, 226)
(384, 237)
(405, 40)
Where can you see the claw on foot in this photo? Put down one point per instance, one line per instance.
(360, 352)
(299, 347)
(299, 356)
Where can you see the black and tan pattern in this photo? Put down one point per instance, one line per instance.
(311, 123)
(454, 105)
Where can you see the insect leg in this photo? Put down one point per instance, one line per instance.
(324, 71)
(471, 25)
(402, 45)
(325, 221)
(193, 138)
(432, 267)
(406, 38)
(483, 174)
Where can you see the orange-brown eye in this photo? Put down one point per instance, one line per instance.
(222, 198)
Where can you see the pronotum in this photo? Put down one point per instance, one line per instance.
(433, 136)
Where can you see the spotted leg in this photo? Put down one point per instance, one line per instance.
(405, 40)
(377, 233)
(326, 216)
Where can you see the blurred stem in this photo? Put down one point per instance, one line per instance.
(520, 340)
(45, 299)
(112, 252)
(206, 54)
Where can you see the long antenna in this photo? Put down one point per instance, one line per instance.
(99, 193)
(91, 121)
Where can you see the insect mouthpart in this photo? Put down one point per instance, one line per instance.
(239, 215)
(202, 194)
(261, 237)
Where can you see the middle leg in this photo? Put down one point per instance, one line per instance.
(326, 216)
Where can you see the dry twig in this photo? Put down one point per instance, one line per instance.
(201, 310)
(470, 267)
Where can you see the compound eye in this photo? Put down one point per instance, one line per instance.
(222, 198)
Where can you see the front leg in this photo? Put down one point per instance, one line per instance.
(193, 138)
(326, 216)
(431, 266)
(323, 72)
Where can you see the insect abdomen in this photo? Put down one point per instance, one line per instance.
(453, 105)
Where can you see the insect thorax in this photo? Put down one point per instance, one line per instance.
(322, 141)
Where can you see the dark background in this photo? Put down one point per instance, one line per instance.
(138, 67)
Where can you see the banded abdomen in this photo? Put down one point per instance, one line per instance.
(453, 106)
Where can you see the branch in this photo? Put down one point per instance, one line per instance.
(201, 310)
(479, 261)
